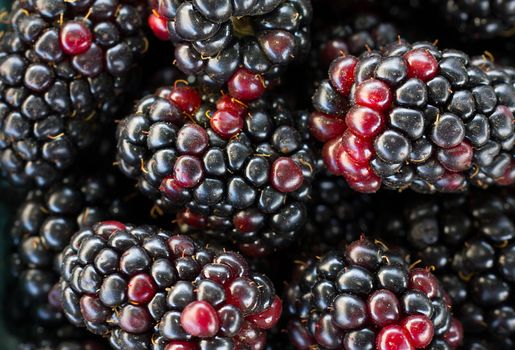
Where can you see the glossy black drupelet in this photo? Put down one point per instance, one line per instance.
(213, 38)
(347, 299)
(236, 189)
(52, 99)
(414, 116)
(470, 239)
(481, 18)
(43, 227)
(138, 286)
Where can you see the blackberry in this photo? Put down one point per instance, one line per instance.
(470, 239)
(43, 227)
(214, 38)
(140, 285)
(234, 170)
(361, 33)
(336, 213)
(416, 117)
(481, 18)
(64, 67)
(367, 297)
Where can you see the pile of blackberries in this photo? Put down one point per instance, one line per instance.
(258, 174)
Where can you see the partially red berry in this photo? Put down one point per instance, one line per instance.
(383, 307)
(374, 94)
(342, 72)
(186, 98)
(135, 319)
(159, 26)
(421, 64)
(230, 104)
(200, 319)
(451, 182)
(368, 185)
(458, 158)
(420, 328)
(192, 219)
(75, 38)
(352, 169)
(364, 121)
(141, 289)
(226, 123)
(245, 85)
(92, 309)
(393, 338)
(286, 175)
(268, 318)
(192, 139)
(324, 127)
(188, 171)
(423, 280)
(360, 149)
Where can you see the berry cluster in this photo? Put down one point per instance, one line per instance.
(470, 240)
(65, 66)
(230, 167)
(368, 298)
(251, 135)
(43, 226)
(143, 285)
(214, 38)
(416, 116)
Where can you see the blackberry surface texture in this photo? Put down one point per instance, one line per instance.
(214, 38)
(481, 18)
(145, 288)
(470, 240)
(413, 116)
(231, 169)
(43, 226)
(64, 67)
(348, 36)
(336, 214)
(367, 297)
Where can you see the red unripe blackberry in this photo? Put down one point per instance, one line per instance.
(143, 287)
(414, 116)
(368, 297)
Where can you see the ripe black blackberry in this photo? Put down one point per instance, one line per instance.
(367, 297)
(214, 38)
(414, 116)
(43, 227)
(143, 287)
(230, 169)
(481, 18)
(64, 67)
(336, 214)
(470, 240)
